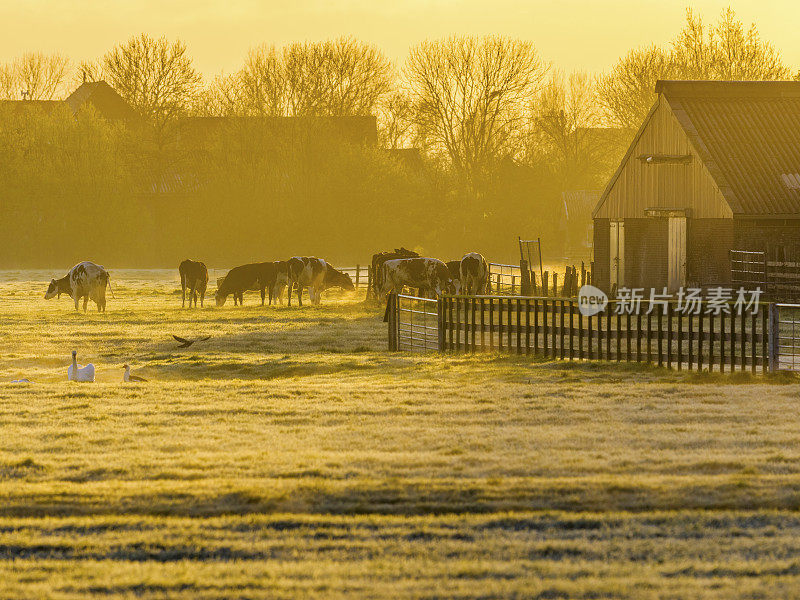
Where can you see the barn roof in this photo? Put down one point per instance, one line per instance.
(103, 97)
(747, 134)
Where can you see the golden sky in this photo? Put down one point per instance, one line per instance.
(572, 34)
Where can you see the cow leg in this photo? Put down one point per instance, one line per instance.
(85, 302)
(263, 290)
(202, 297)
(299, 294)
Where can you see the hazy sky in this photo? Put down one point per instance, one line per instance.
(572, 34)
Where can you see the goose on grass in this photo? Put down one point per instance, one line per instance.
(78, 373)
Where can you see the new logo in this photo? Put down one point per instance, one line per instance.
(591, 300)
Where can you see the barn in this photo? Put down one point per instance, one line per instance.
(714, 167)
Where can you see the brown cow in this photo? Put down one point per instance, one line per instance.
(194, 276)
(254, 276)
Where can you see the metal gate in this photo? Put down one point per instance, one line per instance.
(417, 324)
(786, 348)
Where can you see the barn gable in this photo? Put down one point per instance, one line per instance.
(662, 170)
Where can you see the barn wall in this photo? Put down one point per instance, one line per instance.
(600, 273)
(646, 253)
(707, 257)
(641, 185)
(779, 238)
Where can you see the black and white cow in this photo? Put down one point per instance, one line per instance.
(194, 277)
(454, 267)
(306, 272)
(474, 274)
(430, 275)
(377, 262)
(85, 280)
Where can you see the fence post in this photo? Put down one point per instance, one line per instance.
(391, 301)
(774, 338)
(527, 286)
(358, 271)
(369, 281)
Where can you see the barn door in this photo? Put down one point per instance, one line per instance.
(676, 255)
(617, 254)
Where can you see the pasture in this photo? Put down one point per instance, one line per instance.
(291, 456)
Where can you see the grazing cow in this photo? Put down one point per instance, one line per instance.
(306, 271)
(474, 274)
(281, 281)
(430, 275)
(194, 275)
(336, 278)
(253, 276)
(85, 280)
(454, 267)
(377, 263)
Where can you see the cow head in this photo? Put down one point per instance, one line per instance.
(52, 290)
(335, 278)
(220, 298)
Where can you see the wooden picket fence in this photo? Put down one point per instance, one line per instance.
(555, 328)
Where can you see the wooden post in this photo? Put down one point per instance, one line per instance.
(700, 339)
(473, 303)
(733, 340)
(545, 282)
(358, 272)
(483, 325)
(669, 335)
(545, 347)
(491, 323)
(500, 324)
(555, 284)
(680, 340)
(774, 337)
(527, 286)
(527, 326)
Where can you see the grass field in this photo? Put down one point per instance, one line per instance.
(291, 456)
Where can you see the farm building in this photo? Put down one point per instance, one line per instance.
(714, 167)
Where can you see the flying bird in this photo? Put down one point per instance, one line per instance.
(128, 377)
(186, 343)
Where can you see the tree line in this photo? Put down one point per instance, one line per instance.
(500, 130)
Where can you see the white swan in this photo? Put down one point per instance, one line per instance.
(76, 373)
(127, 377)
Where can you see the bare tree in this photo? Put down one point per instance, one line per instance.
(223, 97)
(566, 129)
(470, 96)
(263, 82)
(725, 51)
(155, 76)
(87, 71)
(34, 76)
(337, 77)
(396, 120)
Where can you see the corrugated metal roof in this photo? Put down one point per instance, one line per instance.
(748, 136)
